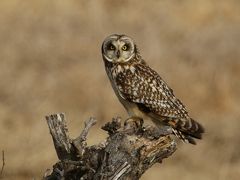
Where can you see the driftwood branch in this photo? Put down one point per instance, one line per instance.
(127, 153)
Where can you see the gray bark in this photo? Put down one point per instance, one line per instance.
(129, 151)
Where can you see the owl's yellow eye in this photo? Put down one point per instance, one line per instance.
(124, 48)
(112, 47)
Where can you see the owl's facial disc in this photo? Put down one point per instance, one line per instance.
(118, 49)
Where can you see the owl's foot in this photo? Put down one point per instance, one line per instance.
(165, 130)
(157, 132)
(134, 123)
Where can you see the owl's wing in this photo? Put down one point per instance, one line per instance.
(142, 85)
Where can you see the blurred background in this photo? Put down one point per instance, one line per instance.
(50, 61)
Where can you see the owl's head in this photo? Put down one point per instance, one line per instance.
(118, 48)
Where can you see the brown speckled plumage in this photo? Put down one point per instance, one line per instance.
(144, 93)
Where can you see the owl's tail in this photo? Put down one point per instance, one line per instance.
(186, 129)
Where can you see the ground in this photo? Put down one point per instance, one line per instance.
(50, 61)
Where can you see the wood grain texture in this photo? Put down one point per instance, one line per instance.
(128, 152)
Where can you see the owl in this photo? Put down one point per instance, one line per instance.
(141, 90)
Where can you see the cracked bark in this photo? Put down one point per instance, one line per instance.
(129, 151)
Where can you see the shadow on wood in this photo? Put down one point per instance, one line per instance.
(127, 153)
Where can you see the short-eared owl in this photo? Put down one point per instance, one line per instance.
(142, 91)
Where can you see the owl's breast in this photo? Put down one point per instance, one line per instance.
(114, 74)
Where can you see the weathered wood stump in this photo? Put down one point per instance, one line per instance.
(127, 153)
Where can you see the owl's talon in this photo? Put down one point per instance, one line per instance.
(134, 123)
(156, 132)
(165, 130)
(136, 120)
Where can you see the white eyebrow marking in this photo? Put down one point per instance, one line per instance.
(126, 38)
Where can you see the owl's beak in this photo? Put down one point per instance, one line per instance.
(118, 54)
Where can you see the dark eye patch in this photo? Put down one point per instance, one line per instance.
(110, 46)
(128, 45)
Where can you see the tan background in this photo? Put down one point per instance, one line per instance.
(50, 61)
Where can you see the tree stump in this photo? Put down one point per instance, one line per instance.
(128, 151)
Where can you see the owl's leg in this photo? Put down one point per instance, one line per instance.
(134, 121)
(163, 128)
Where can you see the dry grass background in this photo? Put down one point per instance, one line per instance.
(50, 61)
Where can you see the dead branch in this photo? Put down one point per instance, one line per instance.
(3, 164)
(128, 152)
